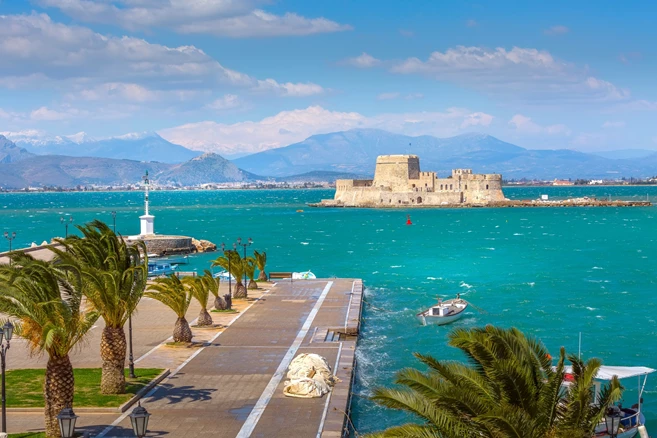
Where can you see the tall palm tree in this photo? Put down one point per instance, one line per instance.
(115, 275)
(199, 290)
(249, 269)
(236, 270)
(509, 389)
(47, 306)
(171, 292)
(212, 284)
(261, 261)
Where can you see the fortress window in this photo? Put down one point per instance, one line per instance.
(441, 187)
(466, 187)
(451, 186)
(486, 186)
(419, 200)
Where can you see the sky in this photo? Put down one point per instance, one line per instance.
(240, 76)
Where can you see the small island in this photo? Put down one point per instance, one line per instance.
(398, 182)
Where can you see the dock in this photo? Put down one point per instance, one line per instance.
(234, 386)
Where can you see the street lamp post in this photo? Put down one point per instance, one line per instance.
(612, 420)
(66, 222)
(114, 221)
(7, 332)
(139, 419)
(10, 237)
(230, 276)
(67, 419)
(244, 245)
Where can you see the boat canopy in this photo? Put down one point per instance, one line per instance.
(608, 372)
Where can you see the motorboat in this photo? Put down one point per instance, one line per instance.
(628, 421)
(303, 276)
(156, 269)
(445, 312)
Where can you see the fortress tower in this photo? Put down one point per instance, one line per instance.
(395, 171)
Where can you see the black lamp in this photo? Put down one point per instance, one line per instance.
(7, 331)
(139, 420)
(612, 420)
(67, 419)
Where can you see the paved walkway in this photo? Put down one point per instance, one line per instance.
(234, 386)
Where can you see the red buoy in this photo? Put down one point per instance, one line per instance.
(408, 220)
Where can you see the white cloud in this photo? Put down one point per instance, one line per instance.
(525, 125)
(557, 30)
(638, 105)
(471, 23)
(231, 18)
(397, 95)
(613, 124)
(49, 115)
(519, 73)
(226, 102)
(288, 127)
(94, 66)
(289, 89)
(363, 61)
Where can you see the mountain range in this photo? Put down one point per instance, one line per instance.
(355, 151)
(80, 160)
(143, 146)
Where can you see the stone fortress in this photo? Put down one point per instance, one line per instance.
(398, 182)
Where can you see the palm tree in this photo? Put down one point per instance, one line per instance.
(249, 269)
(199, 290)
(46, 304)
(212, 284)
(261, 261)
(115, 276)
(171, 292)
(236, 270)
(509, 389)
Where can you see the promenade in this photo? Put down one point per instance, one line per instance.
(233, 385)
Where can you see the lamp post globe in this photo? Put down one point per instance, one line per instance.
(139, 419)
(67, 419)
(8, 331)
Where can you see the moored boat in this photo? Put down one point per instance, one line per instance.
(445, 312)
(158, 269)
(303, 276)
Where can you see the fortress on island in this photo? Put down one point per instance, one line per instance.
(398, 182)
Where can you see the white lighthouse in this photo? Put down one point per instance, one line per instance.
(146, 221)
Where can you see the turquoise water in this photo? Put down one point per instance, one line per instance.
(552, 272)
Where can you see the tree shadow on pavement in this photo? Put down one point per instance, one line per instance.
(177, 394)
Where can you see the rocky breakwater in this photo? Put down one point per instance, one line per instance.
(204, 245)
(572, 202)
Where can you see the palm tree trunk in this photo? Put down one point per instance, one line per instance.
(240, 291)
(253, 284)
(112, 352)
(204, 318)
(219, 303)
(182, 332)
(262, 276)
(57, 392)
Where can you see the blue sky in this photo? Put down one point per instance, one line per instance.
(237, 76)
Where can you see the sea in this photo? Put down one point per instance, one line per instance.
(557, 274)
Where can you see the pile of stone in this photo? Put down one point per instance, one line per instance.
(204, 245)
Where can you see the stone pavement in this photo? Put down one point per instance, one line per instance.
(234, 386)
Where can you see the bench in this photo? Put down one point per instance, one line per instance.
(279, 275)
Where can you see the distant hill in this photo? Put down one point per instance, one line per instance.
(355, 151)
(19, 169)
(321, 176)
(208, 168)
(625, 154)
(138, 146)
(10, 153)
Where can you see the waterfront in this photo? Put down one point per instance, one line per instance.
(551, 272)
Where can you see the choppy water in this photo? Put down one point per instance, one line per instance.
(552, 272)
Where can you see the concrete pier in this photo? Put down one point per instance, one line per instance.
(234, 386)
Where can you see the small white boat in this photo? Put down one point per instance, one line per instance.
(303, 276)
(445, 312)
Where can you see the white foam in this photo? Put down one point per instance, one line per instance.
(305, 243)
(466, 285)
